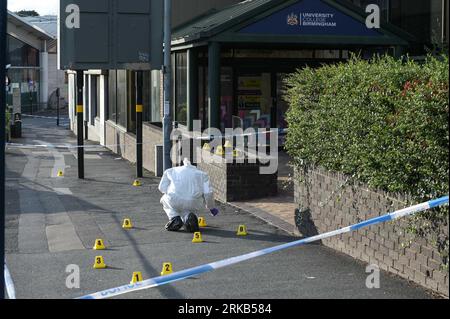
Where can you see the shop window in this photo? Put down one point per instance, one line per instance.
(203, 95)
(20, 53)
(327, 54)
(94, 97)
(226, 100)
(155, 114)
(112, 96)
(181, 88)
(122, 101)
(146, 99)
(86, 98)
(131, 101)
(26, 80)
(146, 95)
(254, 100)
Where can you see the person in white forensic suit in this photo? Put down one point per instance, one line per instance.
(186, 192)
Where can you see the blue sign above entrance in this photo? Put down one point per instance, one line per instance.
(310, 17)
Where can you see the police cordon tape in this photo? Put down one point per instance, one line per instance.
(62, 146)
(228, 136)
(69, 146)
(184, 274)
(9, 284)
(46, 117)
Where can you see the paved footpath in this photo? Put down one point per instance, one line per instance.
(52, 222)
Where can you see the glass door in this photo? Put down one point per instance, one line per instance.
(254, 100)
(281, 108)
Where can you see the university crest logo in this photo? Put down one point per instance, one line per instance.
(293, 19)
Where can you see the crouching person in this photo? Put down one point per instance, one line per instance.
(186, 192)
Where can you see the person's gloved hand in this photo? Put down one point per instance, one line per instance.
(214, 211)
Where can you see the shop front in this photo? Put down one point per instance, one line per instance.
(229, 67)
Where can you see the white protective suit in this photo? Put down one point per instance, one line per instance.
(186, 190)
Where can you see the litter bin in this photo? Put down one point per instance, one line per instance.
(16, 127)
(159, 160)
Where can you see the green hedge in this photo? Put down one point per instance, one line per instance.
(7, 122)
(383, 122)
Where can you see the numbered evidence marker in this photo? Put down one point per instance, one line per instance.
(220, 151)
(137, 183)
(202, 222)
(167, 269)
(207, 147)
(127, 224)
(242, 230)
(137, 277)
(99, 263)
(99, 245)
(197, 238)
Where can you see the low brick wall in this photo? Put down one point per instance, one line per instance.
(239, 181)
(326, 203)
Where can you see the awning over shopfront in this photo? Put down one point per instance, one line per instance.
(317, 22)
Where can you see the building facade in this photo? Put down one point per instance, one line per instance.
(27, 55)
(56, 78)
(229, 59)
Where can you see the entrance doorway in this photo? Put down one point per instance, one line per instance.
(254, 100)
(259, 101)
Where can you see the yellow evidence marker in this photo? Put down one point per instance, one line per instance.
(137, 183)
(202, 222)
(60, 174)
(99, 245)
(228, 144)
(220, 151)
(166, 269)
(137, 277)
(207, 147)
(197, 238)
(127, 224)
(242, 230)
(99, 263)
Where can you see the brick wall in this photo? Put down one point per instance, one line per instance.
(239, 181)
(325, 205)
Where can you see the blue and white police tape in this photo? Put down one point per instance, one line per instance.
(9, 284)
(184, 274)
(69, 146)
(61, 147)
(46, 117)
(279, 131)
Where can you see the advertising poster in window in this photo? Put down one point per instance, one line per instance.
(249, 92)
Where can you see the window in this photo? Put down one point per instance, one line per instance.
(226, 100)
(95, 97)
(146, 96)
(86, 98)
(122, 98)
(155, 115)
(112, 98)
(203, 95)
(20, 53)
(181, 88)
(131, 101)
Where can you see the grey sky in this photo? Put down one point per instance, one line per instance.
(43, 7)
